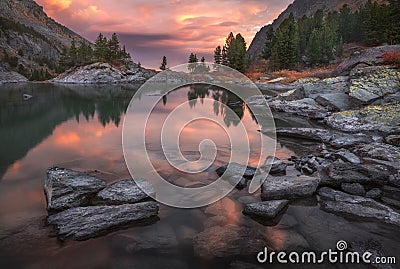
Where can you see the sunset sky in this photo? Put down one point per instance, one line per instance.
(174, 28)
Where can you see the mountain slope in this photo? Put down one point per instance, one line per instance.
(29, 39)
(299, 8)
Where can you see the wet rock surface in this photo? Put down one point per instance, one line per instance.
(65, 188)
(267, 209)
(124, 192)
(82, 206)
(356, 206)
(288, 187)
(82, 223)
(306, 107)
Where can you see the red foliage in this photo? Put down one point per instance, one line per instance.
(391, 57)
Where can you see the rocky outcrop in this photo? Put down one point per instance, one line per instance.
(384, 119)
(11, 77)
(267, 209)
(368, 84)
(82, 223)
(369, 56)
(81, 206)
(288, 187)
(275, 166)
(306, 107)
(104, 73)
(66, 189)
(341, 203)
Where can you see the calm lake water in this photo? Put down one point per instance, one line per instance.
(80, 127)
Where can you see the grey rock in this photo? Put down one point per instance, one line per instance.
(82, 223)
(65, 188)
(394, 179)
(339, 173)
(288, 187)
(347, 156)
(380, 151)
(367, 84)
(11, 77)
(371, 55)
(267, 209)
(341, 203)
(384, 119)
(306, 107)
(350, 140)
(338, 101)
(275, 88)
(391, 195)
(292, 95)
(375, 193)
(228, 241)
(353, 188)
(124, 192)
(320, 135)
(103, 73)
(393, 140)
(276, 165)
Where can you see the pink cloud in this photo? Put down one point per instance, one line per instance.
(172, 27)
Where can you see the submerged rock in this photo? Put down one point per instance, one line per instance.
(65, 188)
(124, 192)
(288, 187)
(356, 206)
(267, 209)
(228, 241)
(235, 168)
(385, 119)
(82, 223)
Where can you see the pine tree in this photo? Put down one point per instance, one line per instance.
(203, 60)
(225, 60)
(193, 58)
(218, 55)
(114, 47)
(100, 48)
(163, 63)
(240, 56)
(270, 35)
(230, 45)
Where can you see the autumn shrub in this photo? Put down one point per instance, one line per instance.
(392, 57)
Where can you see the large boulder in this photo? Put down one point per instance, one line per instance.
(385, 119)
(370, 83)
(380, 151)
(288, 187)
(82, 223)
(370, 56)
(341, 203)
(65, 188)
(104, 73)
(124, 192)
(338, 101)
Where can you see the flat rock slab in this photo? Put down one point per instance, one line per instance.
(306, 107)
(235, 168)
(380, 151)
(65, 188)
(385, 119)
(228, 241)
(124, 192)
(288, 187)
(267, 209)
(82, 223)
(356, 206)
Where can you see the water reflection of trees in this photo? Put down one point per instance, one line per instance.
(223, 99)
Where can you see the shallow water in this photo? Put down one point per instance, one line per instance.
(79, 127)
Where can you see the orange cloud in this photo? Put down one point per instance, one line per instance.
(58, 4)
